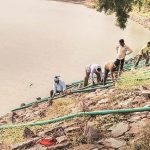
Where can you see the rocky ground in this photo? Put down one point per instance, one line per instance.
(140, 19)
(101, 132)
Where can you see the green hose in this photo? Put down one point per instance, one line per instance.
(73, 91)
(40, 101)
(80, 114)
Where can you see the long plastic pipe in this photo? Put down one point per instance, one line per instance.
(73, 91)
(80, 114)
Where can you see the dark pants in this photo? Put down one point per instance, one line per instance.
(145, 56)
(121, 64)
(105, 76)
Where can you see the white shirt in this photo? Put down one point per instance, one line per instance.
(61, 86)
(92, 70)
(122, 51)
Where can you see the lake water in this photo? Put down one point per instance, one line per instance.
(40, 39)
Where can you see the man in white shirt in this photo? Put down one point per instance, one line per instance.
(59, 86)
(122, 51)
(90, 71)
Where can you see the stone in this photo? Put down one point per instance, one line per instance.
(92, 134)
(25, 145)
(114, 143)
(146, 93)
(35, 104)
(103, 101)
(42, 114)
(126, 102)
(59, 146)
(87, 147)
(119, 129)
(134, 118)
(136, 127)
(22, 105)
(90, 102)
(90, 95)
(38, 98)
(28, 133)
(72, 129)
(61, 139)
(56, 132)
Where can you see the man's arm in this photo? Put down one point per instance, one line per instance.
(63, 85)
(129, 50)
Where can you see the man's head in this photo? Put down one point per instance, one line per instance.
(116, 64)
(121, 42)
(148, 44)
(56, 80)
(98, 69)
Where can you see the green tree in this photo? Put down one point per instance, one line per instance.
(121, 8)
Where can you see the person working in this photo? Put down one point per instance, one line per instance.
(144, 53)
(58, 87)
(122, 51)
(110, 67)
(90, 71)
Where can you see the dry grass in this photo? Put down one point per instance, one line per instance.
(129, 79)
(15, 135)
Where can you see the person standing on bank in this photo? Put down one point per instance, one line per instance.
(122, 51)
(144, 53)
(90, 71)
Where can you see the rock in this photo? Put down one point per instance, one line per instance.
(146, 93)
(38, 98)
(25, 145)
(90, 95)
(72, 129)
(42, 114)
(126, 102)
(56, 132)
(119, 129)
(87, 147)
(114, 143)
(28, 133)
(136, 127)
(35, 104)
(90, 102)
(106, 100)
(81, 107)
(22, 105)
(61, 139)
(92, 134)
(59, 146)
(134, 118)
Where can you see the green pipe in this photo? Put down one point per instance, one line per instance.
(73, 91)
(80, 114)
(40, 101)
(92, 89)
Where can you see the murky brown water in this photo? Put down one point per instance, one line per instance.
(40, 39)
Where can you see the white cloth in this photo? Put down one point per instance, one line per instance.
(92, 70)
(61, 86)
(122, 51)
